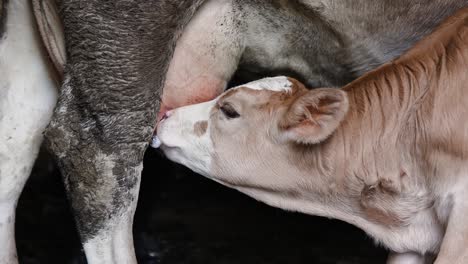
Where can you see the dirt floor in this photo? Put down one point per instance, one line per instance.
(183, 218)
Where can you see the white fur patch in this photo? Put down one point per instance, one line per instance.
(179, 142)
(276, 84)
(7, 232)
(406, 258)
(113, 245)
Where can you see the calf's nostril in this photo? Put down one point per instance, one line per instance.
(163, 113)
(168, 113)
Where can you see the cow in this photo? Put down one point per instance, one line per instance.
(126, 58)
(387, 153)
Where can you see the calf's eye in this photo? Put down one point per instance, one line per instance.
(229, 111)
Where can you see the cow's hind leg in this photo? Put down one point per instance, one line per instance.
(118, 55)
(27, 97)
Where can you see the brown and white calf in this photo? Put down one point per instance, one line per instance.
(387, 153)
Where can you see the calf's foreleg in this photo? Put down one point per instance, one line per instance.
(409, 258)
(454, 248)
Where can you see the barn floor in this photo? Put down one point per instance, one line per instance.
(183, 218)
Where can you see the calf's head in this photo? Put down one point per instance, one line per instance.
(253, 137)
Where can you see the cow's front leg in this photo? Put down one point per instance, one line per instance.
(454, 248)
(117, 55)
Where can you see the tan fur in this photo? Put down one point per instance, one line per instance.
(403, 119)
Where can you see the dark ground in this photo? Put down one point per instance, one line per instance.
(183, 218)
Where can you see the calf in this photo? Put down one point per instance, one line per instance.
(387, 153)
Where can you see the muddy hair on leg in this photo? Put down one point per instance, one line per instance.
(118, 54)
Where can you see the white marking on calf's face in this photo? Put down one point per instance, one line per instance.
(181, 143)
(275, 84)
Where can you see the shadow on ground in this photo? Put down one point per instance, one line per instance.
(183, 218)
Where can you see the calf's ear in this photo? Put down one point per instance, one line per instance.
(314, 116)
